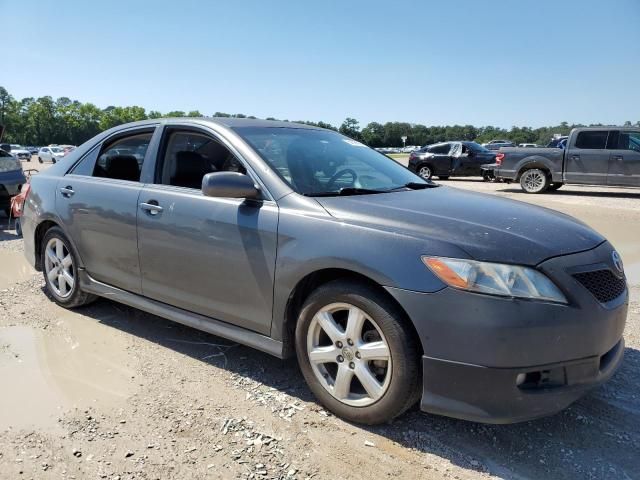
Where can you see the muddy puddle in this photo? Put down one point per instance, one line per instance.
(14, 268)
(45, 372)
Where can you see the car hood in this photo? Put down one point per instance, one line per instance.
(488, 228)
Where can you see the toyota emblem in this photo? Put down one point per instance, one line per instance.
(617, 261)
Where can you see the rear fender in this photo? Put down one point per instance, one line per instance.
(535, 161)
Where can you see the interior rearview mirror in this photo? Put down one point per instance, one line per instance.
(229, 185)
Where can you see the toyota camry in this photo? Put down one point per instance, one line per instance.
(298, 241)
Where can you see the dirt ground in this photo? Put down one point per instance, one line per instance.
(110, 392)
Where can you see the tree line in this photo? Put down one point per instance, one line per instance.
(42, 121)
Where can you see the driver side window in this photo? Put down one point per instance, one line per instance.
(189, 156)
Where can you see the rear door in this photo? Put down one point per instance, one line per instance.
(441, 158)
(587, 158)
(98, 203)
(212, 256)
(624, 160)
(469, 161)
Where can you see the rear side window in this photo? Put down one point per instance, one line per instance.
(444, 148)
(629, 141)
(592, 140)
(189, 156)
(122, 159)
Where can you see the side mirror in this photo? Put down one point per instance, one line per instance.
(229, 185)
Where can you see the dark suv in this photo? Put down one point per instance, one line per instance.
(447, 159)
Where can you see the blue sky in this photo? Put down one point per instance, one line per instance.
(468, 62)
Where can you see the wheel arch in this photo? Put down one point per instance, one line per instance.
(40, 231)
(315, 280)
(533, 163)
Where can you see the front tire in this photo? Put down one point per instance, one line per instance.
(356, 352)
(534, 180)
(60, 269)
(40, 160)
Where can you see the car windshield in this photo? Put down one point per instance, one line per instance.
(56, 150)
(320, 162)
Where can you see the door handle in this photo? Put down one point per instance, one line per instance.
(575, 157)
(151, 207)
(67, 191)
(618, 157)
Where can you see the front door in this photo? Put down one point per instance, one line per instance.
(97, 203)
(587, 159)
(212, 256)
(624, 160)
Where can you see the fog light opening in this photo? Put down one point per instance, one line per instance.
(541, 379)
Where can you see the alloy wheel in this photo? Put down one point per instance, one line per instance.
(425, 172)
(533, 180)
(58, 265)
(349, 354)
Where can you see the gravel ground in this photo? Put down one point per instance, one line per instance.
(111, 392)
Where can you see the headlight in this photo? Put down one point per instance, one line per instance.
(494, 278)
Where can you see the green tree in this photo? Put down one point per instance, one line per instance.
(351, 128)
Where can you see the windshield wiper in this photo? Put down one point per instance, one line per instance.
(346, 191)
(415, 186)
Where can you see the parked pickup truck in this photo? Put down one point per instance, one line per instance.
(592, 156)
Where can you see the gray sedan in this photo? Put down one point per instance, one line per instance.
(296, 240)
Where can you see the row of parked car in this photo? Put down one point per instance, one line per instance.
(50, 153)
(592, 156)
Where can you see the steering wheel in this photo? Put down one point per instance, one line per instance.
(340, 174)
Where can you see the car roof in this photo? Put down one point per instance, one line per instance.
(606, 127)
(229, 122)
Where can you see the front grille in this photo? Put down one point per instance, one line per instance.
(602, 284)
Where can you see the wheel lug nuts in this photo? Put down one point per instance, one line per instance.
(352, 365)
(349, 341)
(357, 354)
(340, 359)
(339, 344)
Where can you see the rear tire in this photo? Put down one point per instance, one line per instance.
(40, 160)
(425, 171)
(534, 180)
(443, 177)
(60, 269)
(355, 332)
(18, 227)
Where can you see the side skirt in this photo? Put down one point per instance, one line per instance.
(190, 319)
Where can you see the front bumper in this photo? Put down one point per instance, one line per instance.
(493, 395)
(478, 348)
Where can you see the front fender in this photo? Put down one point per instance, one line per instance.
(308, 243)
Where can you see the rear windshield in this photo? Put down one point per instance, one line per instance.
(8, 163)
